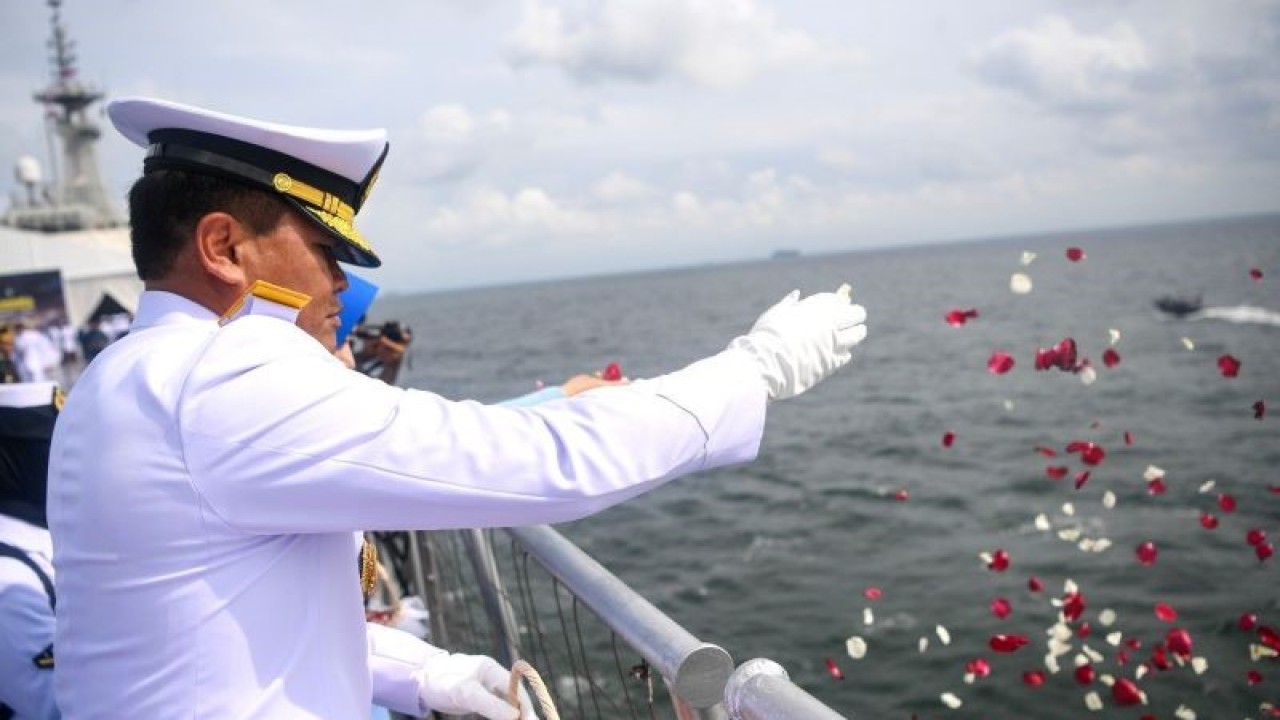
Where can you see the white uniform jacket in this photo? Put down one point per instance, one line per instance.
(206, 478)
(26, 623)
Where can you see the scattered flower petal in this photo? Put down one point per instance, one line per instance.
(1110, 357)
(1166, 612)
(999, 561)
(1085, 674)
(1125, 693)
(978, 667)
(1248, 621)
(1229, 366)
(1208, 486)
(1188, 343)
(1057, 472)
(948, 439)
(1073, 605)
(1092, 701)
(1001, 608)
(1034, 584)
(1020, 283)
(956, 318)
(834, 670)
(1255, 273)
(1259, 410)
(1108, 500)
(1178, 641)
(1113, 336)
(1046, 451)
(873, 593)
(1226, 502)
(1075, 254)
(1208, 521)
(1000, 363)
(943, 635)
(1156, 486)
(1107, 617)
(1152, 472)
(1042, 524)
(1255, 536)
(902, 496)
(1027, 257)
(1199, 665)
(868, 617)
(1008, 643)
(1128, 438)
(856, 647)
(1088, 375)
(922, 644)
(612, 372)
(1082, 477)
(1090, 453)
(1147, 553)
(1253, 677)
(1114, 638)
(1184, 713)
(951, 701)
(1264, 551)
(1035, 678)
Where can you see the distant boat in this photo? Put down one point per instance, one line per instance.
(786, 254)
(1179, 306)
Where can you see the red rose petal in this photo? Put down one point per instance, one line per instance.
(1147, 553)
(1264, 551)
(1208, 521)
(1255, 273)
(1160, 657)
(1125, 693)
(1255, 536)
(1073, 606)
(1057, 472)
(1122, 657)
(1034, 678)
(872, 593)
(948, 439)
(1008, 643)
(1248, 621)
(834, 670)
(1085, 674)
(1090, 453)
(1075, 254)
(1001, 608)
(1000, 363)
(1178, 641)
(1046, 451)
(1229, 366)
(1166, 612)
(1034, 584)
(1269, 637)
(902, 496)
(999, 561)
(1085, 630)
(1156, 486)
(1253, 677)
(978, 667)
(1259, 410)
(1226, 502)
(1133, 643)
(956, 318)
(1128, 438)
(1110, 357)
(612, 372)
(1082, 478)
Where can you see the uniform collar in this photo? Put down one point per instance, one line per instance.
(157, 307)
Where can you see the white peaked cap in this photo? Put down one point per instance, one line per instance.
(327, 174)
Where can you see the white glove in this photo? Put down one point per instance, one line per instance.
(798, 342)
(457, 684)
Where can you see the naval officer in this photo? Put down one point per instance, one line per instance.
(27, 596)
(209, 469)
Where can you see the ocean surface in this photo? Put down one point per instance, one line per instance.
(854, 489)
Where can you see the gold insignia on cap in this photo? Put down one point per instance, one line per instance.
(282, 182)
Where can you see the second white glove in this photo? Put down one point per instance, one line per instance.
(457, 684)
(797, 343)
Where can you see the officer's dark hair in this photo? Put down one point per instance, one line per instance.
(165, 206)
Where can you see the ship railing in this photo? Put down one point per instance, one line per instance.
(603, 649)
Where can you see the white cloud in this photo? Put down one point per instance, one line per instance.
(1054, 64)
(713, 43)
(496, 218)
(619, 187)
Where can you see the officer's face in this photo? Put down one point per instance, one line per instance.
(299, 256)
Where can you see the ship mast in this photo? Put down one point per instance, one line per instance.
(77, 199)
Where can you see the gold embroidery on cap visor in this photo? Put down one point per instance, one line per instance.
(333, 214)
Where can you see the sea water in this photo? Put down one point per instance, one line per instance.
(854, 489)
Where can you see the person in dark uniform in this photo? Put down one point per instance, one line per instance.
(27, 598)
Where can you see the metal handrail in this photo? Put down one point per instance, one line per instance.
(761, 690)
(697, 671)
(700, 674)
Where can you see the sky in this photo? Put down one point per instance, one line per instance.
(539, 139)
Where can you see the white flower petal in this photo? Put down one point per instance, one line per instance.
(1020, 283)
(856, 647)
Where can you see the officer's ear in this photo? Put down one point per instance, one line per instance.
(219, 238)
